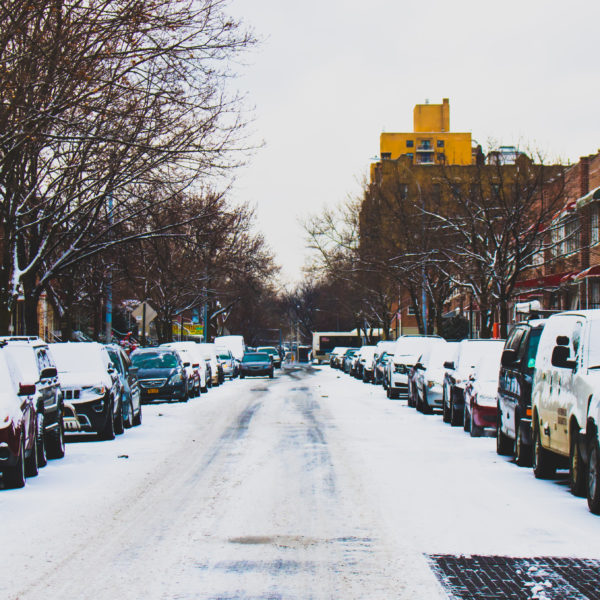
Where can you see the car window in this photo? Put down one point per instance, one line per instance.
(25, 358)
(114, 357)
(514, 340)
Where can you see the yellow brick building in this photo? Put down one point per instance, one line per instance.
(431, 142)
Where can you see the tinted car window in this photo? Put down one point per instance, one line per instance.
(151, 360)
(256, 357)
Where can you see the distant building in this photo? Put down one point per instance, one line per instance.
(431, 142)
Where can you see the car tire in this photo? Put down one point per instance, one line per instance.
(55, 446)
(445, 411)
(204, 389)
(455, 416)
(242, 376)
(466, 420)
(129, 422)
(137, 419)
(31, 462)
(271, 375)
(41, 441)
(577, 474)
(543, 463)
(14, 477)
(119, 423)
(504, 445)
(474, 429)
(108, 431)
(521, 450)
(593, 478)
(425, 408)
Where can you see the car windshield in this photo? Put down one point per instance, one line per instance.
(256, 357)
(488, 368)
(271, 351)
(77, 357)
(25, 358)
(154, 360)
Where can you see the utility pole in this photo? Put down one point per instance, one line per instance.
(143, 340)
(109, 294)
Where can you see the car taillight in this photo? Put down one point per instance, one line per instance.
(528, 412)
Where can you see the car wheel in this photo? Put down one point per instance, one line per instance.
(466, 419)
(544, 465)
(55, 447)
(474, 429)
(41, 441)
(576, 469)
(129, 421)
(271, 375)
(108, 431)
(445, 411)
(242, 376)
(455, 416)
(522, 451)
(31, 462)
(119, 424)
(14, 477)
(593, 478)
(137, 419)
(204, 389)
(425, 408)
(503, 442)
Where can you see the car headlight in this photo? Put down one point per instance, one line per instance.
(430, 383)
(177, 378)
(99, 390)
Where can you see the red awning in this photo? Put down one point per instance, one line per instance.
(547, 281)
(593, 271)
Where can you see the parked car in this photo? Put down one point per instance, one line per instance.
(18, 424)
(272, 351)
(209, 352)
(190, 352)
(481, 392)
(381, 365)
(191, 364)
(130, 389)
(37, 366)
(407, 350)
(90, 383)
(457, 374)
(347, 359)
(514, 391)
(161, 374)
(230, 365)
(256, 363)
(565, 402)
(366, 363)
(428, 381)
(336, 357)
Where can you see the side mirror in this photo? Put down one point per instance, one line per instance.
(420, 366)
(472, 377)
(508, 357)
(560, 358)
(449, 364)
(111, 369)
(186, 364)
(48, 373)
(196, 365)
(26, 389)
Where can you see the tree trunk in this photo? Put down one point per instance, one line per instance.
(30, 306)
(503, 305)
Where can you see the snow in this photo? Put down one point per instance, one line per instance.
(312, 485)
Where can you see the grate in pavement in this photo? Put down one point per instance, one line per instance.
(506, 578)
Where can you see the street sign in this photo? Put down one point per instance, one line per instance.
(138, 314)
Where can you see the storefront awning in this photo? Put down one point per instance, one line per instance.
(589, 197)
(593, 271)
(552, 281)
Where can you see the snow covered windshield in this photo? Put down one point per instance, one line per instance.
(25, 359)
(154, 360)
(489, 366)
(74, 357)
(594, 349)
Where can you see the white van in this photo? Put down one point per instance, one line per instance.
(235, 343)
(565, 401)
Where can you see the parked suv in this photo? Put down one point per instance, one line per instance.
(514, 391)
(565, 402)
(90, 382)
(37, 366)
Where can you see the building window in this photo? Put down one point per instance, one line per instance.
(410, 155)
(594, 287)
(410, 143)
(411, 311)
(386, 156)
(440, 143)
(425, 145)
(594, 224)
(571, 239)
(425, 158)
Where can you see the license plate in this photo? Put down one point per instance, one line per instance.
(71, 424)
(153, 391)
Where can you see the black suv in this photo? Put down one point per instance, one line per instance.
(38, 368)
(514, 391)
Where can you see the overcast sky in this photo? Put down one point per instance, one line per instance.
(330, 75)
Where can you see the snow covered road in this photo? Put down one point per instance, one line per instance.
(311, 485)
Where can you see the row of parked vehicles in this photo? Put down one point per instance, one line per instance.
(88, 388)
(538, 391)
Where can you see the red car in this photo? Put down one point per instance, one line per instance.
(481, 392)
(18, 418)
